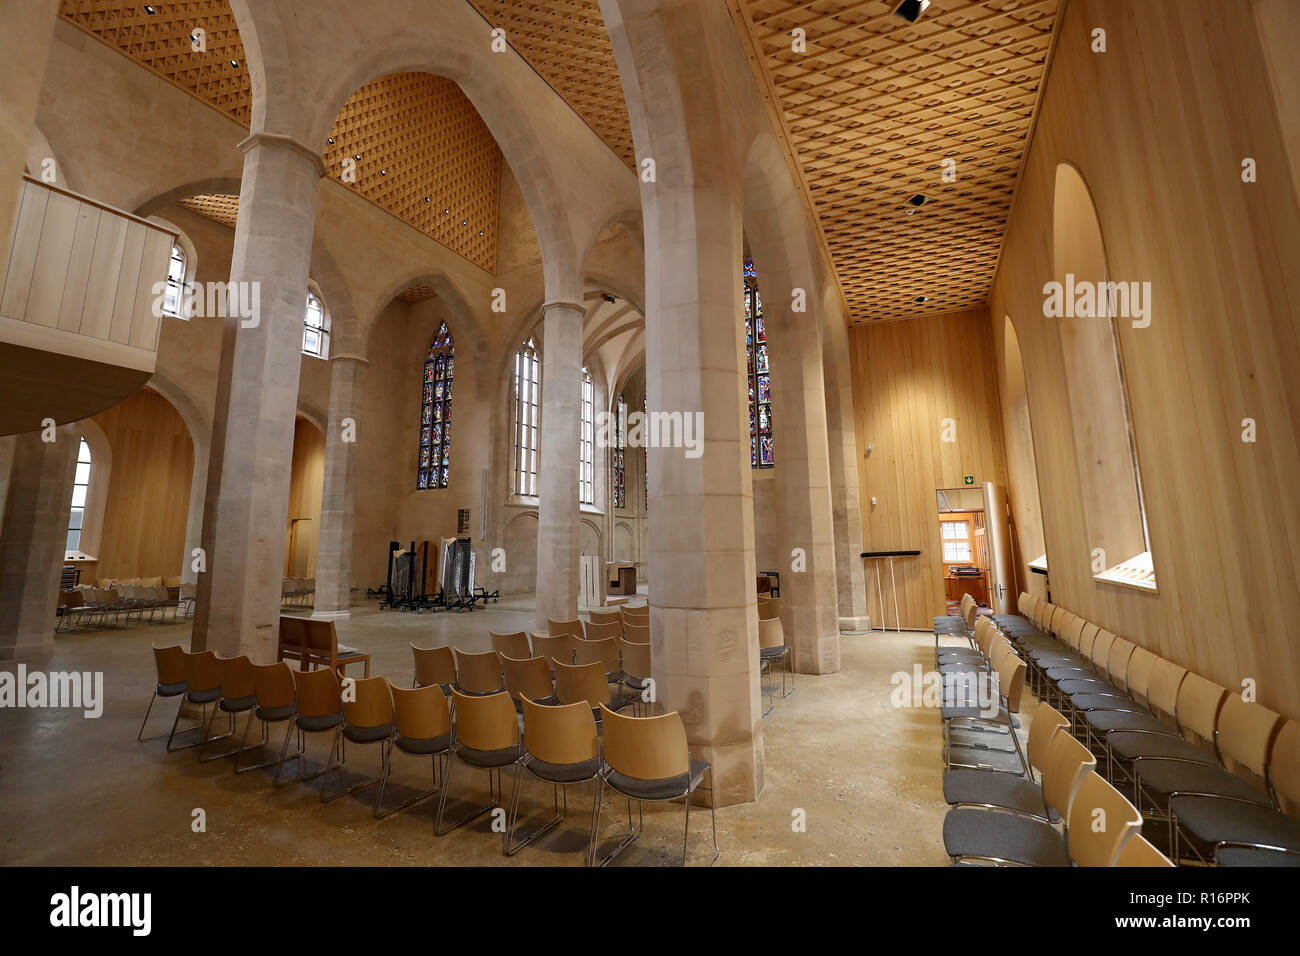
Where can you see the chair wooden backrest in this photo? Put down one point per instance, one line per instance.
(599, 631)
(170, 663)
(273, 684)
(1121, 652)
(563, 734)
(564, 627)
(605, 615)
(636, 658)
(575, 683)
(1100, 820)
(173, 581)
(1073, 632)
(1101, 648)
(771, 633)
(1047, 721)
(1025, 604)
(421, 713)
(486, 723)
(1068, 762)
(1011, 681)
(637, 633)
(646, 748)
(320, 639)
(1284, 765)
(970, 613)
(1087, 638)
(634, 613)
(1137, 679)
(237, 678)
(434, 665)
(373, 706)
(1199, 701)
(1245, 732)
(319, 693)
(292, 636)
(604, 651)
(1138, 851)
(769, 607)
(527, 677)
(554, 648)
(202, 671)
(511, 645)
(1162, 690)
(1046, 612)
(478, 673)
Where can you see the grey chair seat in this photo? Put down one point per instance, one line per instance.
(1169, 776)
(203, 696)
(668, 788)
(1129, 745)
(1254, 856)
(564, 772)
(769, 653)
(636, 683)
(962, 667)
(326, 722)
(237, 705)
(959, 709)
(490, 759)
(422, 747)
(1106, 702)
(1212, 820)
(1107, 721)
(171, 690)
(1088, 685)
(1071, 672)
(972, 832)
(1003, 762)
(998, 789)
(367, 735)
(271, 714)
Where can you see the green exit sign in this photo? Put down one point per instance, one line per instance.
(968, 479)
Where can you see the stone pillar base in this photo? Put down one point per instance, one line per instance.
(855, 625)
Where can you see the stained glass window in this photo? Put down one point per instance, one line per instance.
(587, 443)
(435, 412)
(619, 469)
(761, 453)
(528, 407)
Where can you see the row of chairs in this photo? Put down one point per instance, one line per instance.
(102, 607)
(1001, 814)
(297, 592)
(644, 759)
(1221, 770)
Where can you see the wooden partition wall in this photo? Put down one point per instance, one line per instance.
(1159, 127)
(926, 401)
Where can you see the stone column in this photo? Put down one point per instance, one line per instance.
(846, 502)
(244, 528)
(194, 517)
(342, 463)
(36, 511)
(24, 46)
(805, 532)
(557, 513)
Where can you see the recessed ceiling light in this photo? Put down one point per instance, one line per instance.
(464, 222)
(918, 200)
(911, 10)
(235, 64)
(330, 140)
(427, 199)
(446, 212)
(383, 172)
(920, 299)
(480, 232)
(357, 157)
(149, 10)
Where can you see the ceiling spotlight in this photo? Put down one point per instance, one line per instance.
(911, 10)
(918, 200)
(235, 64)
(480, 232)
(357, 157)
(427, 199)
(383, 172)
(922, 299)
(149, 10)
(330, 140)
(446, 212)
(464, 222)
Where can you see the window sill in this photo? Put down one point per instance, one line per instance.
(1137, 572)
(523, 501)
(590, 510)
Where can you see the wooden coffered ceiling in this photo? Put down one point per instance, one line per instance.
(870, 111)
(565, 41)
(397, 124)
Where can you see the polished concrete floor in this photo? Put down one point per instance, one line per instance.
(76, 791)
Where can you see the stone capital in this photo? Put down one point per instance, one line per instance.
(350, 357)
(561, 304)
(284, 142)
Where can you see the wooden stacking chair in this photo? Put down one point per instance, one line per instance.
(368, 719)
(636, 674)
(594, 631)
(555, 627)
(554, 648)
(318, 701)
(992, 788)
(422, 725)
(647, 759)
(238, 696)
(637, 633)
(203, 687)
(578, 683)
(478, 674)
(273, 684)
(487, 738)
(638, 614)
(511, 645)
(605, 651)
(321, 646)
(169, 664)
(293, 638)
(603, 615)
(562, 748)
(529, 677)
(772, 648)
(434, 666)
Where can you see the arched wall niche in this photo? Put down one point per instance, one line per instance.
(1028, 541)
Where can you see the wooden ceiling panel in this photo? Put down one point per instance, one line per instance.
(417, 134)
(871, 109)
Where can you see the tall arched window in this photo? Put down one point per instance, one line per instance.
(587, 443)
(528, 407)
(435, 412)
(761, 453)
(316, 328)
(618, 469)
(174, 294)
(80, 488)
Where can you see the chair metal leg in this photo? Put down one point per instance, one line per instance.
(208, 739)
(438, 828)
(385, 748)
(627, 840)
(300, 755)
(510, 846)
(176, 721)
(243, 742)
(379, 797)
(140, 736)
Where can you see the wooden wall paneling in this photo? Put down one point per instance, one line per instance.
(907, 378)
(149, 488)
(1222, 346)
(306, 484)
